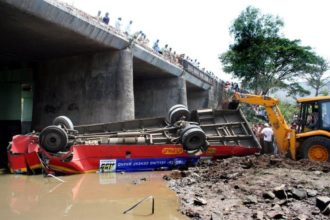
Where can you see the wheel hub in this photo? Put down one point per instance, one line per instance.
(318, 153)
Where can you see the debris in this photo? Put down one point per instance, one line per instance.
(280, 192)
(275, 214)
(263, 191)
(302, 217)
(268, 195)
(299, 194)
(199, 201)
(250, 200)
(326, 210)
(311, 193)
(58, 179)
(216, 216)
(141, 201)
(259, 215)
(322, 202)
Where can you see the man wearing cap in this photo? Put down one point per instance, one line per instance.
(268, 134)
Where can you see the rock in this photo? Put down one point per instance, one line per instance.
(143, 179)
(167, 178)
(216, 216)
(189, 181)
(326, 210)
(176, 174)
(282, 202)
(195, 175)
(199, 201)
(275, 214)
(317, 172)
(299, 194)
(192, 214)
(301, 217)
(232, 175)
(268, 195)
(259, 215)
(250, 200)
(311, 192)
(280, 192)
(185, 173)
(322, 202)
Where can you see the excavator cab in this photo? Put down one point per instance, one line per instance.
(313, 130)
(314, 114)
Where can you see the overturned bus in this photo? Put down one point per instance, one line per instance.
(179, 140)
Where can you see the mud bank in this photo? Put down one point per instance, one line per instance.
(254, 187)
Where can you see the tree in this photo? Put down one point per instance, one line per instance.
(261, 58)
(316, 77)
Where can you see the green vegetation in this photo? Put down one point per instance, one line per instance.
(317, 79)
(262, 58)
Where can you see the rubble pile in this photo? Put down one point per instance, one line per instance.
(254, 187)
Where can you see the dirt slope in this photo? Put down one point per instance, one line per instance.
(253, 187)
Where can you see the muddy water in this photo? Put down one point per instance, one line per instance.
(86, 196)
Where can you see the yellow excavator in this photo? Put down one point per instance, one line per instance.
(310, 139)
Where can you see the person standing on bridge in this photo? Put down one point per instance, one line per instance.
(156, 46)
(128, 28)
(118, 24)
(106, 18)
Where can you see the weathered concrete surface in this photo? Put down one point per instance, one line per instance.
(154, 97)
(198, 99)
(88, 89)
(52, 30)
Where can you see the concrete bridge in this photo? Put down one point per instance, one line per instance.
(56, 60)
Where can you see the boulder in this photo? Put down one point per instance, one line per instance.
(268, 195)
(299, 194)
(280, 192)
(322, 202)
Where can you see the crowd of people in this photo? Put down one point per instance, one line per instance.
(141, 38)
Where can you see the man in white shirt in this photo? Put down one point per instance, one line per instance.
(268, 134)
(128, 28)
(118, 24)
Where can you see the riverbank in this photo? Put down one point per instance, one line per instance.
(254, 187)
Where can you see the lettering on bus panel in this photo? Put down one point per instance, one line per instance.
(172, 150)
(107, 166)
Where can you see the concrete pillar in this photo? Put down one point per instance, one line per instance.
(88, 89)
(154, 97)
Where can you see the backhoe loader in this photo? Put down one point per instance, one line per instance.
(310, 138)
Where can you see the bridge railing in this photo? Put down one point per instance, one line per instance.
(189, 67)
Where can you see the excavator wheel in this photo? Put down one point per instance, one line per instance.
(316, 149)
(53, 139)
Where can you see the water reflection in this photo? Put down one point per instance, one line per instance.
(86, 196)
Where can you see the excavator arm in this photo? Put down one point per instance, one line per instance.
(284, 135)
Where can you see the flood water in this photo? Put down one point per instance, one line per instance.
(87, 196)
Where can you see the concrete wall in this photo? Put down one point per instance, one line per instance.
(198, 99)
(154, 97)
(88, 89)
(211, 98)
